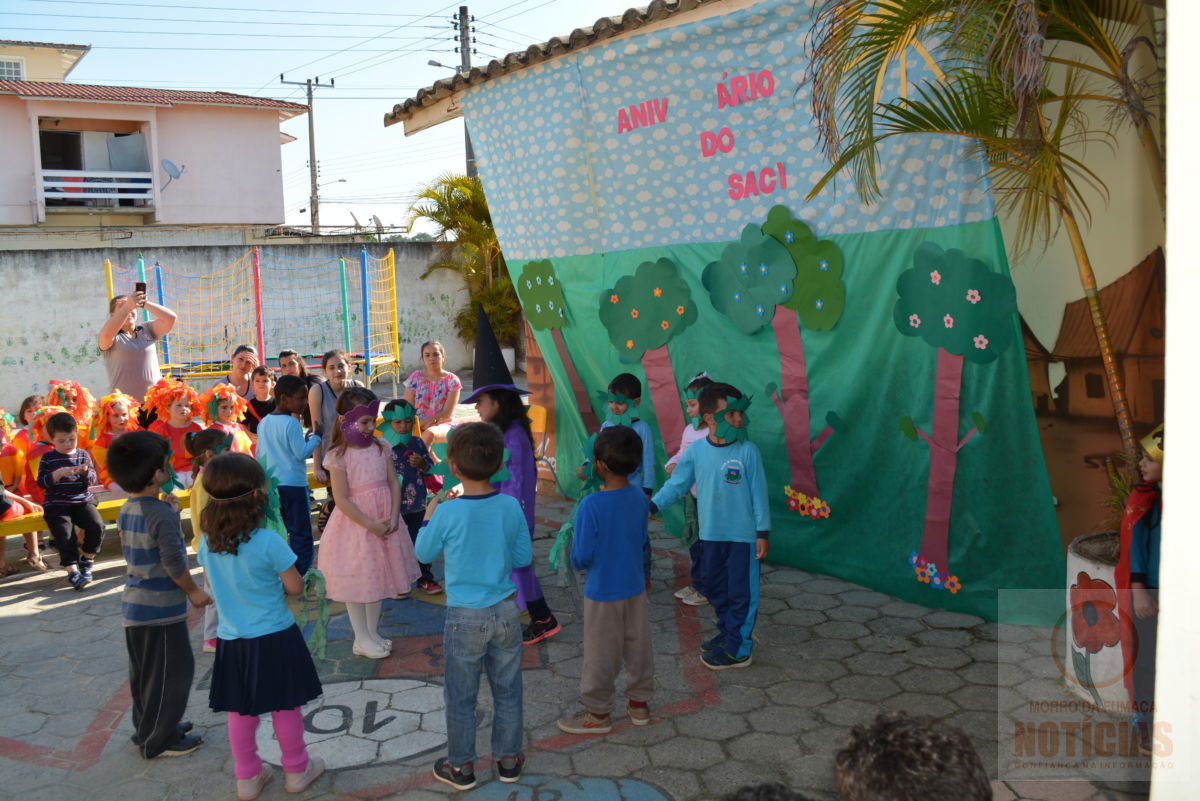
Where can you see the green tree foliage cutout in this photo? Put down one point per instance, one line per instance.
(959, 306)
(644, 310)
(754, 274)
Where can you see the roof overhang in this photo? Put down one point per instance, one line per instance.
(440, 103)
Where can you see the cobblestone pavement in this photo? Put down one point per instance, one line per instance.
(829, 655)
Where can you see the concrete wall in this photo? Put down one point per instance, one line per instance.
(56, 301)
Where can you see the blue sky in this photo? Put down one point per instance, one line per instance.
(377, 53)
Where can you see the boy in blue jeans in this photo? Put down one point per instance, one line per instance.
(483, 536)
(610, 532)
(735, 520)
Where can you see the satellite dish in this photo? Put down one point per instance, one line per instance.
(357, 224)
(172, 171)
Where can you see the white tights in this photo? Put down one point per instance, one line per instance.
(364, 619)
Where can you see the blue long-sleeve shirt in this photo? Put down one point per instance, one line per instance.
(1145, 548)
(483, 537)
(610, 534)
(70, 490)
(644, 475)
(283, 447)
(731, 494)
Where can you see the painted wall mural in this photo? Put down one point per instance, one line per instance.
(655, 185)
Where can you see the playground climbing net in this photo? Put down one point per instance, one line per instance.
(274, 300)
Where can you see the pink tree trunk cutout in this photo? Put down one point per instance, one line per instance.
(944, 446)
(590, 423)
(792, 402)
(664, 394)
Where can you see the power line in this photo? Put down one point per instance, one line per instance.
(235, 8)
(240, 23)
(218, 33)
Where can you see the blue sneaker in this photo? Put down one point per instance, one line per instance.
(78, 580)
(719, 660)
(713, 644)
(85, 567)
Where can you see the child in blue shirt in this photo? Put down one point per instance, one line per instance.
(610, 533)
(483, 535)
(412, 460)
(735, 520)
(283, 448)
(262, 662)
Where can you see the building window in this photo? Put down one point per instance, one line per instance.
(1094, 385)
(12, 69)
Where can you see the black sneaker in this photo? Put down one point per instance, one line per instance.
(184, 745)
(462, 778)
(540, 630)
(85, 567)
(183, 728)
(510, 768)
(720, 660)
(713, 644)
(78, 580)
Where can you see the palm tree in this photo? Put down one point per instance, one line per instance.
(467, 245)
(993, 89)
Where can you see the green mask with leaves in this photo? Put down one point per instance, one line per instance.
(624, 419)
(728, 432)
(390, 435)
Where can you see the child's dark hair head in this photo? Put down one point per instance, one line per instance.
(698, 383)
(27, 405)
(398, 403)
(351, 397)
(289, 385)
(626, 384)
(330, 355)
(510, 408)
(714, 393)
(201, 443)
(620, 448)
(134, 457)
(263, 369)
(477, 450)
(61, 423)
(899, 757)
(236, 500)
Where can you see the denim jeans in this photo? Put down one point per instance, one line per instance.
(487, 639)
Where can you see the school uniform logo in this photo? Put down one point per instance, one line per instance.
(732, 471)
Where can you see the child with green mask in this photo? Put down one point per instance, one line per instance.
(412, 460)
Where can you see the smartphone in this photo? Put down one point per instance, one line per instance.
(140, 286)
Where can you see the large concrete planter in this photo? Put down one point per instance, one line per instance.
(1091, 654)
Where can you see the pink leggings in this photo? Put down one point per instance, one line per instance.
(289, 731)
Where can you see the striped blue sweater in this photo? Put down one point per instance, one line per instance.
(154, 550)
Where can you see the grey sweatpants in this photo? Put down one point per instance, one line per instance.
(616, 633)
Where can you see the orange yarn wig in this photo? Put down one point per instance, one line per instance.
(104, 409)
(222, 392)
(168, 390)
(73, 396)
(38, 420)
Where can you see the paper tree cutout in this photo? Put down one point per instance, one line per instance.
(784, 277)
(545, 308)
(960, 307)
(754, 274)
(642, 313)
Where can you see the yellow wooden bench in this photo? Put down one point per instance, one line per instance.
(108, 512)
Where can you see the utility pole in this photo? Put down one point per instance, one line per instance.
(313, 207)
(464, 50)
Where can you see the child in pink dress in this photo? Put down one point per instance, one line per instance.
(365, 554)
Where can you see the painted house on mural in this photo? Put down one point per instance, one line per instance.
(1136, 307)
(83, 156)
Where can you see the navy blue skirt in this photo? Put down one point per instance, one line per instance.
(263, 674)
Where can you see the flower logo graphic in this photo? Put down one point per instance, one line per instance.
(973, 296)
(914, 320)
(948, 321)
(981, 342)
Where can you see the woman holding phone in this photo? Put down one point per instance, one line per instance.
(128, 347)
